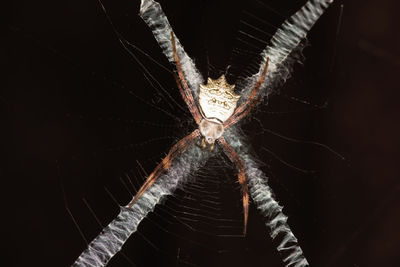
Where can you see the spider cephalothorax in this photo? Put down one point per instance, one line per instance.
(217, 102)
(210, 131)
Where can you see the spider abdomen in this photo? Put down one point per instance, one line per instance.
(217, 99)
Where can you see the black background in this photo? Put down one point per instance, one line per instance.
(66, 107)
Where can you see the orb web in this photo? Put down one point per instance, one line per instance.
(128, 130)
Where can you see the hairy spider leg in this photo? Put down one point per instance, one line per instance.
(250, 103)
(185, 91)
(235, 158)
(175, 150)
(197, 118)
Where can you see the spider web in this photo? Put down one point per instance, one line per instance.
(128, 116)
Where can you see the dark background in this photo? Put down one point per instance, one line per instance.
(72, 112)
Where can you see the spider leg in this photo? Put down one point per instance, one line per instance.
(235, 158)
(183, 86)
(250, 103)
(175, 150)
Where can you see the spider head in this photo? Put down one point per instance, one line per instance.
(210, 131)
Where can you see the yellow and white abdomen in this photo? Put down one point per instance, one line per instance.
(217, 100)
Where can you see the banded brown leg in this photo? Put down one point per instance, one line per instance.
(250, 103)
(175, 150)
(234, 157)
(183, 86)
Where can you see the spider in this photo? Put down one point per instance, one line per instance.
(214, 108)
(216, 111)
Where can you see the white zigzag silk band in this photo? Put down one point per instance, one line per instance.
(268, 207)
(113, 236)
(285, 40)
(152, 13)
